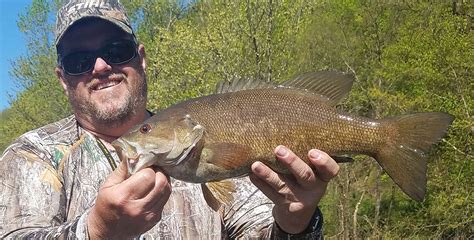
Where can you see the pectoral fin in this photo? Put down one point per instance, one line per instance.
(218, 193)
(227, 155)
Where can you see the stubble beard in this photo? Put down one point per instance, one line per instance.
(112, 114)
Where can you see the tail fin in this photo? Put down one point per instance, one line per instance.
(403, 156)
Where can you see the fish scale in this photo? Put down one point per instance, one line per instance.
(307, 126)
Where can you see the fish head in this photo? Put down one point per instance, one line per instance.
(159, 141)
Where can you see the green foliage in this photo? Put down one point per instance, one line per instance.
(42, 100)
(406, 56)
(411, 58)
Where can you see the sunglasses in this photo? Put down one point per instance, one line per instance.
(114, 53)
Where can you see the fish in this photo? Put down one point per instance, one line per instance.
(213, 138)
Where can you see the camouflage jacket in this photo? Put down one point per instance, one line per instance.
(49, 179)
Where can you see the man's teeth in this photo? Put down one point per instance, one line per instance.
(106, 85)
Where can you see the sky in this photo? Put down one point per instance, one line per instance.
(12, 45)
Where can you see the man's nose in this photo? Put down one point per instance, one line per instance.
(101, 66)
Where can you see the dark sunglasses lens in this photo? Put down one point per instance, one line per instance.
(78, 63)
(114, 53)
(119, 52)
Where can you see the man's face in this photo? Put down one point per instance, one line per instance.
(109, 94)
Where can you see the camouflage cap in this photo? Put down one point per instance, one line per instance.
(75, 10)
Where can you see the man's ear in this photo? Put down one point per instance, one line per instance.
(61, 79)
(142, 55)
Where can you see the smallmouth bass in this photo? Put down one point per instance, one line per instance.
(216, 137)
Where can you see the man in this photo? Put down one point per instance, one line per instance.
(58, 181)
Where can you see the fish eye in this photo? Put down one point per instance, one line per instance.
(145, 128)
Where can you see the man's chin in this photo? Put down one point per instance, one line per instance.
(108, 112)
(113, 116)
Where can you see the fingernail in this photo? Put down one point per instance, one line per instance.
(315, 154)
(257, 167)
(282, 151)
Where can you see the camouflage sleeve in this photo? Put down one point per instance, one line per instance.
(32, 201)
(250, 217)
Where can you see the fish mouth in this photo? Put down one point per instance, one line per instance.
(122, 151)
(132, 163)
(119, 146)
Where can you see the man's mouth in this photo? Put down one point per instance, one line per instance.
(104, 85)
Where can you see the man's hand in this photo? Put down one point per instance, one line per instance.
(126, 207)
(296, 196)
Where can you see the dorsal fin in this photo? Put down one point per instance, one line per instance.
(330, 84)
(239, 84)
